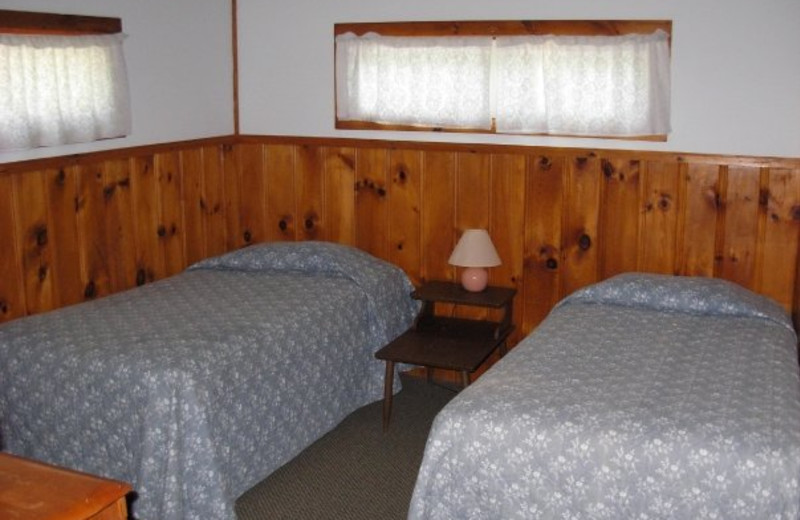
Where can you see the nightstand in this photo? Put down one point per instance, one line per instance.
(34, 490)
(444, 342)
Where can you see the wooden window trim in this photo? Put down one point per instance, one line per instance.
(508, 28)
(26, 22)
(499, 28)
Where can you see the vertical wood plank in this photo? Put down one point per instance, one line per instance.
(659, 218)
(404, 211)
(339, 195)
(253, 194)
(438, 213)
(12, 291)
(90, 210)
(146, 211)
(371, 210)
(506, 225)
(781, 240)
(119, 242)
(281, 194)
(61, 193)
(309, 182)
(581, 207)
(544, 193)
(33, 224)
(701, 201)
(738, 254)
(214, 221)
(170, 229)
(234, 234)
(619, 242)
(195, 205)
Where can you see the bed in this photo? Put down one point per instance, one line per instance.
(643, 396)
(196, 387)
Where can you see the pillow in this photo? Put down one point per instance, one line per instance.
(689, 294)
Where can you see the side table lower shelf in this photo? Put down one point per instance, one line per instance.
(449, 343)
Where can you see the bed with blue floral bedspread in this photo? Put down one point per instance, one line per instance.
(196, 387)
(644, 396)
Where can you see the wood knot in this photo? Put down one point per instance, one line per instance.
(796, 212)
(545, 163)
(282, 225)
(61, 177)
(247, 236)
(40, 235)
(551, 264)
(42, 273)
(3, 307)
(90, 291)
(584, 242)
(381, 191)
(108, 191)
(347, 160)
(402, 175)
(607, 167)
(763, 197)
(664, 203)
(162, 231)
(309, 223)
(141, 277)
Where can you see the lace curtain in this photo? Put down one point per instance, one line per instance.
(414, 81)
(590, 85)
(576, 85)
(58, 90)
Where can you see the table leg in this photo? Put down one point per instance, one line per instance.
(503, 348)
(388, 387)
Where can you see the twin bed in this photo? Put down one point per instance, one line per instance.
(196, 387)
(643, 396)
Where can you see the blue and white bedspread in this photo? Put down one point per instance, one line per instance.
(196, 387)
(643, 396)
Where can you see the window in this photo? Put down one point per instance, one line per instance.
(608, 79)
(58, 84)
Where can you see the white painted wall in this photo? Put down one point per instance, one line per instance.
(735, 67)
(180, 68)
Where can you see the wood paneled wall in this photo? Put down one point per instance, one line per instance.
(78, 228)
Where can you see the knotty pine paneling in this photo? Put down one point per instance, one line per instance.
(81, 227)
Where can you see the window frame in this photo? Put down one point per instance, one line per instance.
(495, 28)
(28, 22)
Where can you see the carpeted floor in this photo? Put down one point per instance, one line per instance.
(355, 471)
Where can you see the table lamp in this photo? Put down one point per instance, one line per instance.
(476, 252)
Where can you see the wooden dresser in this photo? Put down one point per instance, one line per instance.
(32, 490)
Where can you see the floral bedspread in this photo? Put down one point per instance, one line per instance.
(196, 387)
(643, 396)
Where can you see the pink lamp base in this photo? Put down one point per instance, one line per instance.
(474, 279)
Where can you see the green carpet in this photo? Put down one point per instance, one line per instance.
(356, 471)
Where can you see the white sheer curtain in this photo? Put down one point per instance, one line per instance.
(61, 89)
(583, 85)
(575, 85)
(433, 81)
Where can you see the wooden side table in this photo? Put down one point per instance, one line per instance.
(33, 490)
(444, 342)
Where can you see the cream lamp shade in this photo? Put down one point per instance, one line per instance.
(475, 251)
